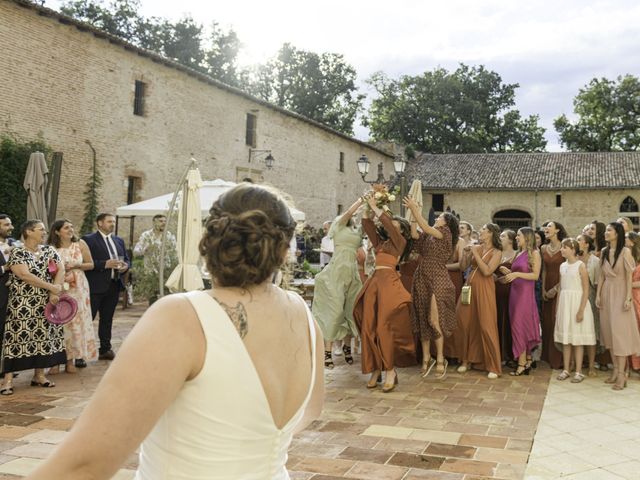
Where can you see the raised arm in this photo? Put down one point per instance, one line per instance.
(424, 225)
(399, 242)
(351, 211)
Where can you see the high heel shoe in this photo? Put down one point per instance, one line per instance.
(521, 370)
(427, 367)
(621, 382)
(442, 374)
(328, 361)
(386, 388)
(612, 379)
(378, 379)
(44, 383)
(347, 354)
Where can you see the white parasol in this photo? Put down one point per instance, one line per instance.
(415, 193)
(186, 276)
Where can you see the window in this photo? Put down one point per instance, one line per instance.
(252, 125)
(138, 100)
(628, 205)
(133, 186)
(558, 200)
(340, 208)
(341, 165)
(437, 202)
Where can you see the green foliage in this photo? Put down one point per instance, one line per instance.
(14, 157)
(183, 41)
(91, 196)
(608, 117)
(146, 280)
(465, 111)
(319, 86)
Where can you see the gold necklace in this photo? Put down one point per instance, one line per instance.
(553, 251)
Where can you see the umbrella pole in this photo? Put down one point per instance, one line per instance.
(172, 206)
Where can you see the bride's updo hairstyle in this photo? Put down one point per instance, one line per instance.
(247, 235)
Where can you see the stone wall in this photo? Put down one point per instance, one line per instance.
(578, 207)
(76, 90)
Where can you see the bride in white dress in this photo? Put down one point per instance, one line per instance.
(214, 384)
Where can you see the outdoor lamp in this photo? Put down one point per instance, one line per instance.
(399, 164)
(269, 161)
(363, 165)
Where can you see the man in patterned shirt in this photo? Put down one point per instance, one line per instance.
(150, 242)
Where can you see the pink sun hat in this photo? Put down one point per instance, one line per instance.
(63, 312)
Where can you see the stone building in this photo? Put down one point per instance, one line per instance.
(84, 92)
(527, 189)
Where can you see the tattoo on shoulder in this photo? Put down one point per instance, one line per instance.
(238, 316)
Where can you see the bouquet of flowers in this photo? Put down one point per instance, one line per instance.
(383, 196)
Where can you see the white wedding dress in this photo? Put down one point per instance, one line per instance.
(220, 425)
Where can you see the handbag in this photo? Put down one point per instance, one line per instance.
(52, 267)
(465, 294)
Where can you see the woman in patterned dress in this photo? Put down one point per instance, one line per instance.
(29, 340)
(433, 311)
(79, 337)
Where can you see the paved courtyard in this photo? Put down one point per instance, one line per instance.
(465, 427)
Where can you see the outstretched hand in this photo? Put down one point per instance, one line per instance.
(410, 203)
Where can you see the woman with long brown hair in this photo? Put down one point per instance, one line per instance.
(433, 309)
(382, 309)
(618, 324)
(551, 260)
(477, 321)
(509, 247)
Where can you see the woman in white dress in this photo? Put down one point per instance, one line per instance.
(245, 372)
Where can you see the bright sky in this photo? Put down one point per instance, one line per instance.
(550, 47)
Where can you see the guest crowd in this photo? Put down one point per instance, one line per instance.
(39, 270)
(442, 294)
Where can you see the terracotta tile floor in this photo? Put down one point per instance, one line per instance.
(463, 428)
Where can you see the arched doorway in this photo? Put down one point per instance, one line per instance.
(629, 208)
(513, 219)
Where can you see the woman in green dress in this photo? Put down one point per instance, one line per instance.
(337, 286)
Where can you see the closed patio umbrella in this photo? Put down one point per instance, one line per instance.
(415, 193)
(35, 183)
(187, 276)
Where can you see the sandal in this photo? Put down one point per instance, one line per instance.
(347, 354)
(7, 390)
(328, 361)
(44, 384)
(577, 378)
(563, 375)
(81, 363)
(426, 369)
(441, 369)
(592, 372)
(521, 370)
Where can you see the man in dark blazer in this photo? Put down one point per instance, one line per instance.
(110, 261)
(6, 242)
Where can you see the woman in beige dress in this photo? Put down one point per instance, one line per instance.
(618, 325)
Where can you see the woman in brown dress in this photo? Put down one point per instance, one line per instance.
(433, 311)
(453, 266)
(618, 325)
(478, 329)
(382, 309)
(554, 232)
(509, 246)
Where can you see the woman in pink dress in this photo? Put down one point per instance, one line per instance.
(523, 309)
(633, 243)
(79, 337)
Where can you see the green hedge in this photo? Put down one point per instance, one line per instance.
(14, 157)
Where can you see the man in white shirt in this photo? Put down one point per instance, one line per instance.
(326, 245)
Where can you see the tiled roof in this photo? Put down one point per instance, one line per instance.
(527, 171)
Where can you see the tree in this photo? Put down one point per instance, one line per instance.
(319, 86)
(608, 117)
(182, 41)
(465, 111)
